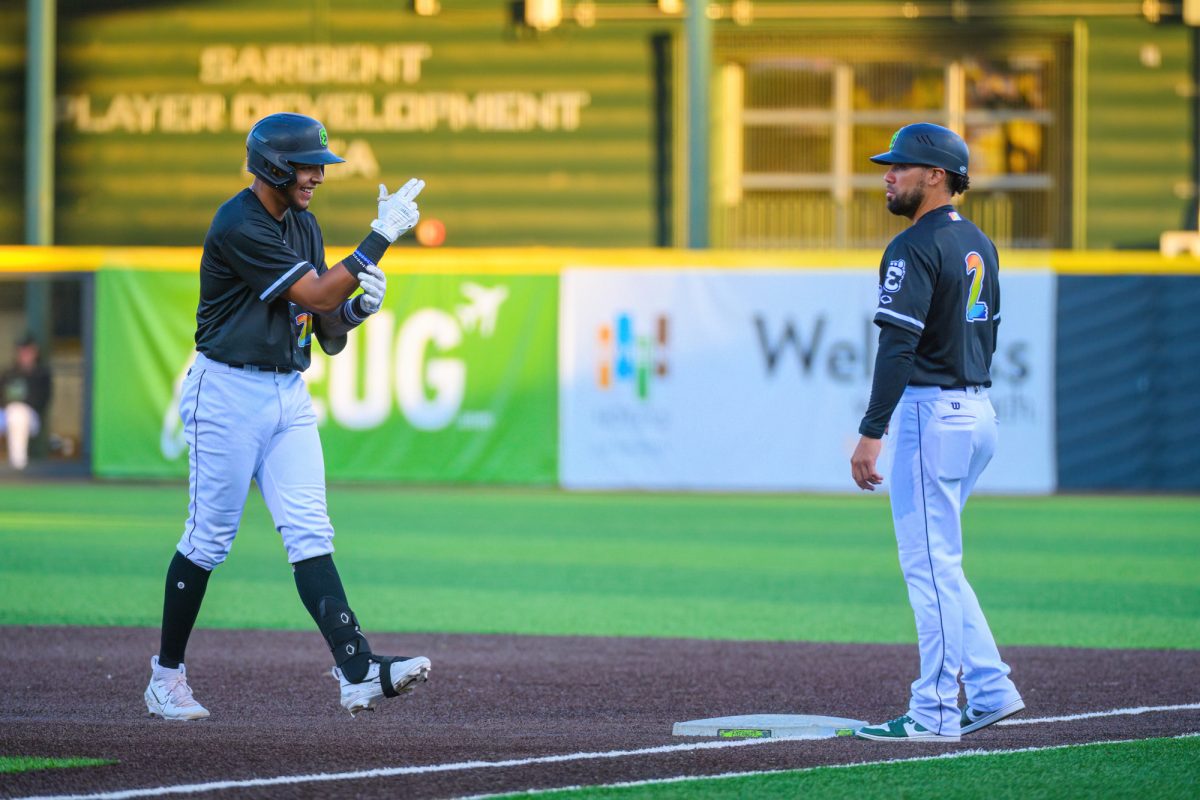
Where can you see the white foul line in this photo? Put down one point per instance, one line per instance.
(753, 773)
(321, 777)
(393, 771)
(1116, 712)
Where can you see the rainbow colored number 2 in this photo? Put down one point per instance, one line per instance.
(977, 310)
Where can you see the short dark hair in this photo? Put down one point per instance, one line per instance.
(957, 183)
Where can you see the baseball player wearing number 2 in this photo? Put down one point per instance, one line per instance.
(938, 313)
(265, 293)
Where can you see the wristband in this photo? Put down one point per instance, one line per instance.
(369, 253)
(352, 311)
(373, 247)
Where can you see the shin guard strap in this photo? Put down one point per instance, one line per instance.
(385, 674)
(339, 626)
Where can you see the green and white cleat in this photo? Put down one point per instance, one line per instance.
(973, 718)
(902, 729)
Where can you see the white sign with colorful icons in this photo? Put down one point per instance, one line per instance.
(757, 380)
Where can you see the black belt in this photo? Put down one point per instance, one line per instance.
(262, 368)
(950, 388)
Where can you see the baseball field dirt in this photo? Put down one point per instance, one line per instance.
(68, 691)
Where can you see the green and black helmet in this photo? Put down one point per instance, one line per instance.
(280, 141)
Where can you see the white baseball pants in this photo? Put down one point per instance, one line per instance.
(943, 439)
(241, 425)
(19, 423)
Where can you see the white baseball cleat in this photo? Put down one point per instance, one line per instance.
(405, 672)
(169, 696)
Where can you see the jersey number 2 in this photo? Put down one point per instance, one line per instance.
(977, 310)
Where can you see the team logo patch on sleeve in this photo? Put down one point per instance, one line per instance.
(894, 276)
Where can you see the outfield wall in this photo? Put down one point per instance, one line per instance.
(1128, 396)
(664, 369)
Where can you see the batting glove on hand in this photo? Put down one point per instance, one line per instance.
(374, 286)
(398, 212)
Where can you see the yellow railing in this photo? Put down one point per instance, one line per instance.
(18, 260)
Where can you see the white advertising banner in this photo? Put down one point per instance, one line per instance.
(757, 380)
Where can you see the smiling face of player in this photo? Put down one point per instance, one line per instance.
(300, 193)
(904, 185)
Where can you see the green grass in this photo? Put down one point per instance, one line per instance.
(29, 763)
(1141, 769)
(1084, 571)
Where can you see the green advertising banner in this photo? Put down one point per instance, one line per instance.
(453, 381)
(143, 346)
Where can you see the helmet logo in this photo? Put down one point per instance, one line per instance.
(324, 138)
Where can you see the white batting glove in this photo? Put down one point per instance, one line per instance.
(398, 211)
(374, 286)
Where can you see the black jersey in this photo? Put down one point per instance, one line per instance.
(940, 279)
(250, 259)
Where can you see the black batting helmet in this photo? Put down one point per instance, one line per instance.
(927, 144)
(279, 141)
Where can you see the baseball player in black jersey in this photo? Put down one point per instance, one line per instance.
(938, 312)
(265, 294)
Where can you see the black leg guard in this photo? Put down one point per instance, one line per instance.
(350, 649)
(316, 578)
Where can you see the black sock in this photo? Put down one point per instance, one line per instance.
(317, 578)
(184, 593)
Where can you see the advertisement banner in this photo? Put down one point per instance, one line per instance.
(454, 380)
(728, 380)
(144, 325)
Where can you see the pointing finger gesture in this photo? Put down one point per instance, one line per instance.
(410, 190)
(397, 212)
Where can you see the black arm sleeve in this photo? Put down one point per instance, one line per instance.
(893, 365)
(333, 327)
(331, 341)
